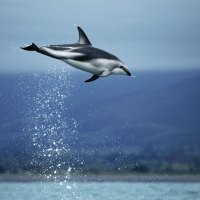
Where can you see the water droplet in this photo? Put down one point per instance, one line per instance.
(69, 169)
(68, 187)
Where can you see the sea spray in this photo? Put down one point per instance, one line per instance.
(51, 128)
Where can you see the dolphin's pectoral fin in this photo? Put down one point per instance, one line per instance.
(83, 39)
(93, 78)
(105, 73)
(32, 47)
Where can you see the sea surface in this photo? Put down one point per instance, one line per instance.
(99, 191)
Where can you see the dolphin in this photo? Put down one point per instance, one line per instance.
(82, 55)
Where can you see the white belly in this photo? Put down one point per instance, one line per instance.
(85, 66)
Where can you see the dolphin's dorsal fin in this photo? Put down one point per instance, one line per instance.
(83, 39)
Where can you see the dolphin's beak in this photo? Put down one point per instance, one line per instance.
(127, 71)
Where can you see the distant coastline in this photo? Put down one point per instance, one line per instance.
(102, 178)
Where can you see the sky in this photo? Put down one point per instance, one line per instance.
(145, 35)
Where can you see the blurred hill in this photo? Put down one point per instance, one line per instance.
(149, 123)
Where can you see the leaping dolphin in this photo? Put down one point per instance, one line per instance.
(82, 55)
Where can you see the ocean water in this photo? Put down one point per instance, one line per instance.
(99, 191)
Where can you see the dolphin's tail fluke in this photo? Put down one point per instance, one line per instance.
(32, 47)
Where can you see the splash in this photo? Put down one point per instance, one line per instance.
(51, 126)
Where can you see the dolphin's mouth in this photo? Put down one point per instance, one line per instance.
(127, 71)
